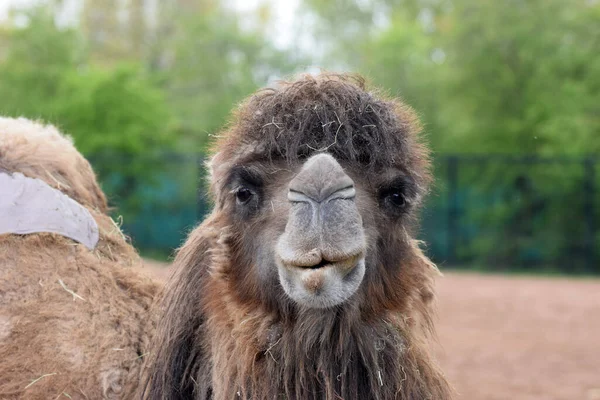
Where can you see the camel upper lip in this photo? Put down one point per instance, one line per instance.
(321, 264)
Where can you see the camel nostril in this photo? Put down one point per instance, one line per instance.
(321, 179)
(297, 196)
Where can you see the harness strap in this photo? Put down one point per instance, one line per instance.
(29, 205)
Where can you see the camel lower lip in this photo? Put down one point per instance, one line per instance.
(304, 270)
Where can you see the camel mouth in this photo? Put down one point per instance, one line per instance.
(343, 264)
(323, 263)
(324, 284)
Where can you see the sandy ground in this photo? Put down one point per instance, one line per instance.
(520, 338)
(505, 338)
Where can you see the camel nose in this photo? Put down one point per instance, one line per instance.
(324, 225)
(321, 179)
(321, 253)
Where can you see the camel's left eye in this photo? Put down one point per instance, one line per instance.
(243, 195)
(394, 198)
(397, 198)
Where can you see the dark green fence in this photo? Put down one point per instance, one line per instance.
(490, 212)
(158, 199)
(505, 212)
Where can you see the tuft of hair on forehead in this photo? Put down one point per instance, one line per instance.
(334, 113)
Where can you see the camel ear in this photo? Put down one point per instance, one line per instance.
(210, 167)
(217, 168)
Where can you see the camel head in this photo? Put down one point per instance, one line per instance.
(318, 181)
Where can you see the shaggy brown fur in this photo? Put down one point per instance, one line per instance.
(53, 343)
(228, 330)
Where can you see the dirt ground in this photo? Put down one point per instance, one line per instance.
(505, 338)
(520, 338)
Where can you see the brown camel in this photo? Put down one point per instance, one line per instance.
(74, 321)
(305, 281)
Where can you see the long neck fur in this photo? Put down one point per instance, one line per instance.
(211, 345)
(322, 355)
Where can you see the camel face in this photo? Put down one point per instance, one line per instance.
(312, 231)
(317, 187)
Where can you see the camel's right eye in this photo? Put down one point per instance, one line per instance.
(243, 195)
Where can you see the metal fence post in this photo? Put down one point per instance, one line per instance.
(452, 228)
(590, 223)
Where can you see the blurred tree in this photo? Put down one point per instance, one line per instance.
(118, 30)
(194, 51)
(45, 75)
(407, 62)
(526, 76)
(204, 61)
(104, 31)
(487, 76)
(117, 111)
(339, 27)
(208, 63)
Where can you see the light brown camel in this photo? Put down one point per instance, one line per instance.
(305, 281)
(74, 322)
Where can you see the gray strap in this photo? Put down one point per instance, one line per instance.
(30, 205)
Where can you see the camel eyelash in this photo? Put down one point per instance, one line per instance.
(244, 176)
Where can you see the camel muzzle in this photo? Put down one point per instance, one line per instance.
(323, 242)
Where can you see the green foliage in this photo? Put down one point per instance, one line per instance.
(114, 111)
(487, 76)
(34, 63)
(215, 64)
(528, 75)
(45, 76)
(407, 63)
